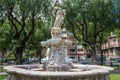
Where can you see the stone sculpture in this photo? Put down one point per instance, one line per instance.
(59, 15)
(58, 60)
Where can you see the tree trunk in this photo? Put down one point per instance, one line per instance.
(40, 55)
(18, 55)
(101, 54)
(94, 56)
(2, 58)
(100, 47)
(101, 58)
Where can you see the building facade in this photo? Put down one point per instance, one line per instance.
(111, 49)
(75, 52)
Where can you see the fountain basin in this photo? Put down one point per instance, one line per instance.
(80, 72)
(57, 41)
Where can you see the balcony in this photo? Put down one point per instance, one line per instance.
(72, 53)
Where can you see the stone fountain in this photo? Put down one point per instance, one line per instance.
(57, 65)
(57, 59)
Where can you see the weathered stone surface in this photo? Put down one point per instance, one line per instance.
(23, 77)
(94, 72)
(56, 58)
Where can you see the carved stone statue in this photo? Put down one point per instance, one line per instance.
(59, 15)
(57, 59)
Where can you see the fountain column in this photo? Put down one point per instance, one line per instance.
(57, 61)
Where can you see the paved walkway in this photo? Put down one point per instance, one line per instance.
(3, 73)
(116, 71)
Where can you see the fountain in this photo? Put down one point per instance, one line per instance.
(57, 65)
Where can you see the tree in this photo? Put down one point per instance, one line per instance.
(89, 19)
(5, 38)
(22, 15)
(42, 33)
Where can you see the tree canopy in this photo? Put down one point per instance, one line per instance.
(89, 21)
(25, 23)
(24, 16)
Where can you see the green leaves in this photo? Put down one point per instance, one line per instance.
(90, 21)
(22, 22)
(5, 36)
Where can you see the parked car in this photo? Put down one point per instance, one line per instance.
(99, 60)
(11, 62)
(114, 60)
(118, 59)
(72, 59)
(84, 62)
(44, 60)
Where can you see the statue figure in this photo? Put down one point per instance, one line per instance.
(59, 15)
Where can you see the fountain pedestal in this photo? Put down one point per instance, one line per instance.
(57, 59)
(58, 67)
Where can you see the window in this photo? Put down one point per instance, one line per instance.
(64, 32)
(72, 57)
(80, 50)
(114, 40)
(72, 50)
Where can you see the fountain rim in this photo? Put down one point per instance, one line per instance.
(100, 71)
(57, 41)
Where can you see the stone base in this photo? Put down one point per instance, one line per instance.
(58, 67)
(94, 72)
(23, 77)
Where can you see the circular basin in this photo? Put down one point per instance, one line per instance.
(79, 72)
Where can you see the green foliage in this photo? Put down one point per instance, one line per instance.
(1, 69)
(117, 32)
(6, 36)
(42, 33)
(117, 67)
(88, 15)
(90, 21)
(26, 21)
(8, 59)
